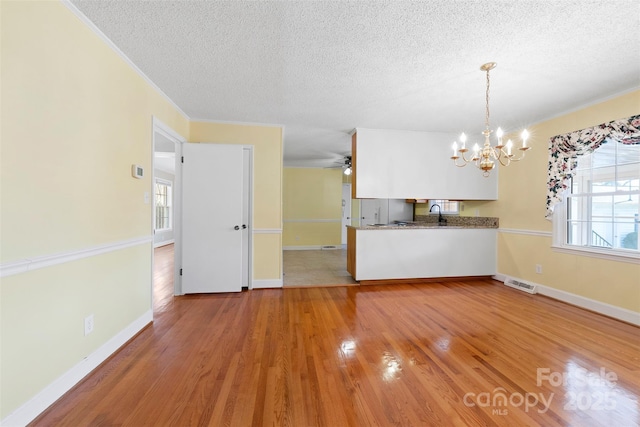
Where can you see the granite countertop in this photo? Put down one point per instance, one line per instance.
(431, 221)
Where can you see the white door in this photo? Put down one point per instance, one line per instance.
(346, 210)
(212, 201)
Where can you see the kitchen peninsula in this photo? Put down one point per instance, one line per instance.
(422, 249)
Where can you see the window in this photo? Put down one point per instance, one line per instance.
(163, 205)
(601, 211)
(447, 206)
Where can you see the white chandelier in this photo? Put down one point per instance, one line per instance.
(484, 158)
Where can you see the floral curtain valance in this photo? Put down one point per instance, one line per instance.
(565, 149)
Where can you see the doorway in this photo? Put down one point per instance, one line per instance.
(166, 167)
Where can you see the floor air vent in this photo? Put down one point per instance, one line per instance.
(328, 248)
(523, 286)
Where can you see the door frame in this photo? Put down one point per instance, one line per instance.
(346, 189)
(248, 205)
(159, 127)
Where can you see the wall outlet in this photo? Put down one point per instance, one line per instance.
(88, 324)
(538, 269)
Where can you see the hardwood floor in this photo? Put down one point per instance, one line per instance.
(442, 354)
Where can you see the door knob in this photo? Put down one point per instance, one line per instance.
(236, 227)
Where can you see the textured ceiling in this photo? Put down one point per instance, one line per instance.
(322, 68)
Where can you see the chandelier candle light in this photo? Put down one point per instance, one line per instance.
(484, 158)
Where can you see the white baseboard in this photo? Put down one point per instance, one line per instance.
(47, 396)
(619, 313)
(302, 248)
(314, 247)
(266, 283)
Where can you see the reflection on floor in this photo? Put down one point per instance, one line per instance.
(316, 268)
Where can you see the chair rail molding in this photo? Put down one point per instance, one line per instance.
(526, 232)
(29, 264)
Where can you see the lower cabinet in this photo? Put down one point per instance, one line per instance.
(383, 254)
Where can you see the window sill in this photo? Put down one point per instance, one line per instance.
(611, 255)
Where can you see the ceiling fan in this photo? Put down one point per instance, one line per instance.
(345, 164)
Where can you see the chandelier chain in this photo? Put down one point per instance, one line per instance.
(486, 118)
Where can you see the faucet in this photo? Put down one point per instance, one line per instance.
(441, 219)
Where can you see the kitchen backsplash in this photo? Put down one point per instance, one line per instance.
(455, 220)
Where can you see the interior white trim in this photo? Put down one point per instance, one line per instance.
(304, 248)
(526, 232)
(583, 302)
(312, 220)
(160, 127)
(267, 231)
(231, 122)
(117, 50)
(266, 283)
(24, 265)
(633, 258)
(47, 396)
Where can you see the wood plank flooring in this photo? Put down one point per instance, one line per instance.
(440, 354)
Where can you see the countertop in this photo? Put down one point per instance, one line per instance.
(452, 223)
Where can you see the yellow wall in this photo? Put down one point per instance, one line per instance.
(267, 186)
(521, 206)
(355, 212)
(312, 207)
(75, 117)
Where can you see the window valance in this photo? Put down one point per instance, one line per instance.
(565, 149)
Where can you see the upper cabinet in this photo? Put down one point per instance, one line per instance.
(394, 164)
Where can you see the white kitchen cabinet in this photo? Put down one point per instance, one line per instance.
(409, 253)
(393, 164)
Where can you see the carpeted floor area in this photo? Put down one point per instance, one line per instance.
(316, 268)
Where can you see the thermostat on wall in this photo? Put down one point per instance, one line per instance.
(137, 171)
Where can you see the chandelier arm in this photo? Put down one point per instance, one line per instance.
(500, 157)
(513, 159)
(455, 162)
(473, 159)
(499, 154)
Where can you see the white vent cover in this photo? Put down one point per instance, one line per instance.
(325, 248)
(523, 286)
